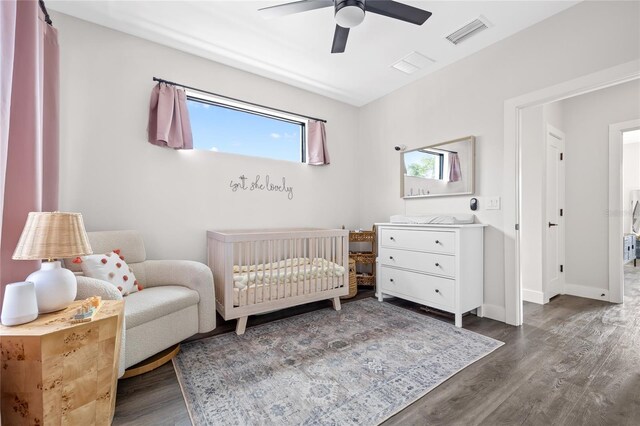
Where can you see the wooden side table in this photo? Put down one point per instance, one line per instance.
(56, 372)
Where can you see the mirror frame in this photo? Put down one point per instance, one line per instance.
(471, 139)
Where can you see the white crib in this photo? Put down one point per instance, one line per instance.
(257, 271)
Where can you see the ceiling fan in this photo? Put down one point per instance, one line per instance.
(350, 13)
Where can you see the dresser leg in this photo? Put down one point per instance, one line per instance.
(459, 320)
(380, 298)
(479, 312)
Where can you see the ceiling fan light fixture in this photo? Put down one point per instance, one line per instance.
(349, 13)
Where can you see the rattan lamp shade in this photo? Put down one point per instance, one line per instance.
(52, 235)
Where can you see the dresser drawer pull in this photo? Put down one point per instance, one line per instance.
(390, 257)
(392, 239)
(437, 241)
(437, 291)
(437, 264)
(391, 279)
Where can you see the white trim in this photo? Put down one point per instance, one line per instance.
(494, 312)
(511, 198)
(588, 292)
(616, 231)
(533, 296)
(239, 105)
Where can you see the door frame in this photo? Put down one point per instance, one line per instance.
(616, 209)
(554, 132)
(512, 166)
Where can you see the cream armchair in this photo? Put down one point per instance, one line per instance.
(177, 300)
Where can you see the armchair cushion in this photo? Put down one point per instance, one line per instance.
(156, 302)
(194, 275)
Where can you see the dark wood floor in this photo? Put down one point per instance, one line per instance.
(574, 362)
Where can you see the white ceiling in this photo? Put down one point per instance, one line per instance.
(296, 49)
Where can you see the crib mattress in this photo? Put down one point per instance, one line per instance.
(286, 278)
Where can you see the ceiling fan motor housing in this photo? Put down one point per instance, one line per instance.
(349, 13)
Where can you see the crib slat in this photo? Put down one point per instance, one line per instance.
(305, 242)
(297, 280)
(255, 277)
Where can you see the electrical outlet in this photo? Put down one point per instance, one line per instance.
(493, 203)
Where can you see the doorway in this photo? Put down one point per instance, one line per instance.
(624, 141)
(514, 148)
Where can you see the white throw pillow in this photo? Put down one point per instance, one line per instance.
(112, 268)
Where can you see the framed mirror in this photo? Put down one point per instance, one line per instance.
(447, 168)
(635, 218)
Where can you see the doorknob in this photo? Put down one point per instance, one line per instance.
(552, 224)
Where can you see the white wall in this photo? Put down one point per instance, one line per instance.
(467, 98)
(587, 119)
(630, 180)
(119, 181)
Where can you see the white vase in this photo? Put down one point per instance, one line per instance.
(56, 286)
(19, 305)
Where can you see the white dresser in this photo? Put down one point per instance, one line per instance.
(440, 266)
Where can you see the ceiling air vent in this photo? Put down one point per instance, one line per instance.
(412, 63)
(467, 31)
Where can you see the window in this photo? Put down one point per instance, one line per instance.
(425, 164)
(233, 127)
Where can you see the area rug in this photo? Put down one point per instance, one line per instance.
(358, 366)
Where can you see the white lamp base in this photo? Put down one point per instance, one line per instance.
(56, 287)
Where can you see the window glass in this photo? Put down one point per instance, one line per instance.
(217, 127)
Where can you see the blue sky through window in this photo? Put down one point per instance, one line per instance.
(222, 129)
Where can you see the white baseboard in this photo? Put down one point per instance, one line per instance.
(494, 312)
(585, 291)
(533, 296)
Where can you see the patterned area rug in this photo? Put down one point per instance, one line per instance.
(357, 366)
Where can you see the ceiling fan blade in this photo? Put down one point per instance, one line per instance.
(339, 39)
(295, 7)
(396, 10)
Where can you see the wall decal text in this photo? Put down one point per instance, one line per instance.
(261, 184)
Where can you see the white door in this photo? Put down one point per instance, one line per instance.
(554, 259)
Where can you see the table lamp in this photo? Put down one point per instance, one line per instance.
(50, 236)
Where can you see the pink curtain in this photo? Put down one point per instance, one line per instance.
(455, 174)
(169, 124)
(317, 144)
(28, 126)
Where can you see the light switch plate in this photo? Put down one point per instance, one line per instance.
(493, 203)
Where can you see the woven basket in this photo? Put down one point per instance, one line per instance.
(363, 257)
(362, 237)
(366, 280)
(353, 282)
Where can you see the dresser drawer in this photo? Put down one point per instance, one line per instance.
(436, 291)
(432, 263)
(435, 241)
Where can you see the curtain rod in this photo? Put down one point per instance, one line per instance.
(160, 80)
(47, 19)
